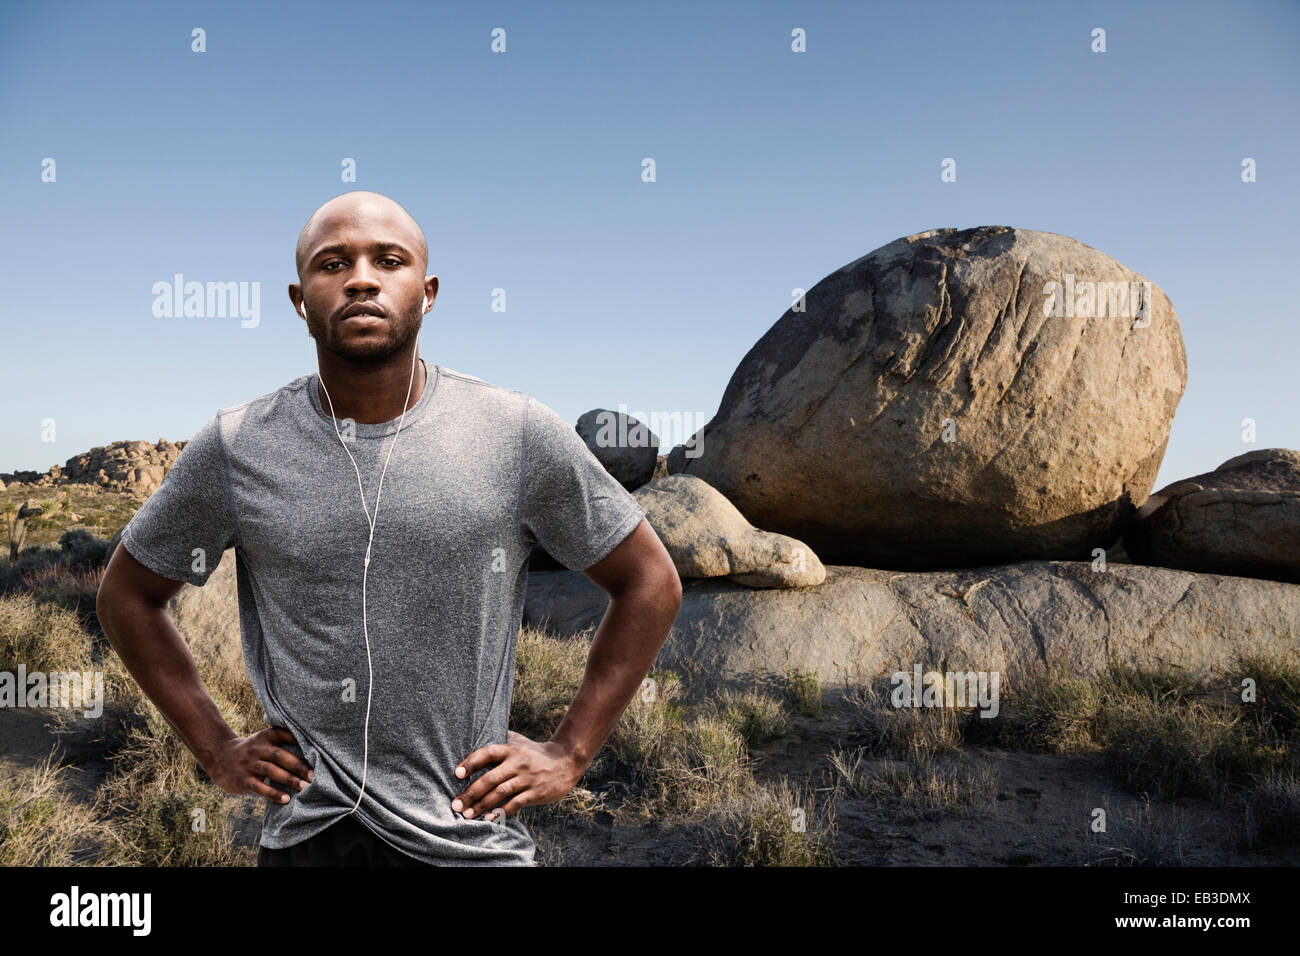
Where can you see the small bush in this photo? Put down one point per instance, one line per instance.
(883, 729)
(1184, 747)
(757, 717)
(189, 827)
(1273, 812)
(82, 549)
(771, 825)
(1137, 839)
(804, 691)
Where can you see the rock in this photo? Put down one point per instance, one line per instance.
(136, 467)
(625, 446)
(661, 468)
(1242, 518)
(707, 537)
(834, 427)
(681, 454)
(1015, 619)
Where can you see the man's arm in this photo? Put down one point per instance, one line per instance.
(132, 608)
(645, 596)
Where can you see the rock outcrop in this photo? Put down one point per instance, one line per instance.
(1015, 619)
(625, 446)
(954, 398)
(707, 537)
(1242, 518)
(136, 467)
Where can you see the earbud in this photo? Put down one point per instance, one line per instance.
(370, 519)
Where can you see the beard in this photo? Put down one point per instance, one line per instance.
(373, 346)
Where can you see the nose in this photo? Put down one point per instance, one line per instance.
(364, 278)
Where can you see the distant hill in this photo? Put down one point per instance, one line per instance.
(135, 467)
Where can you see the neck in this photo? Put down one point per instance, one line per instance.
(369, 394)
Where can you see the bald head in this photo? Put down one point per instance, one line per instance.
(385, 219)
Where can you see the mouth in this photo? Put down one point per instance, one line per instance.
(362, 312)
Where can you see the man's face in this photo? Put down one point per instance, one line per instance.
(363, 281)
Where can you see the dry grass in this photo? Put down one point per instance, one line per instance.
(754, 715)
(917, 782)
(1272, 812)
(1138, 839)
(41, 637)
(803, 690)
(41, 824)
(1166, 732)
(885, 730)
(145, 812)
(769, 825)
(1053, 713)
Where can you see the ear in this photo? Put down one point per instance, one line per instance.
(295, 293)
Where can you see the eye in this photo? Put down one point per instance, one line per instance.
(333, 262)
(394, 260)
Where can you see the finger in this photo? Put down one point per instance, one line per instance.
(266, 790)
(290, 761)
(265, 768)
(481, 786)
(517, 803)
(281, 735)
(484, 756)
(496, 796)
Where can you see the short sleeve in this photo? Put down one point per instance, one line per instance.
(575, 509)
(184, 527)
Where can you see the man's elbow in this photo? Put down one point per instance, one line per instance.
(653, 583)
(665, 585)
(673, 588)
(106, 605)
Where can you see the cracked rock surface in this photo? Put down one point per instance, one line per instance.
(928, 408)
(1015, 619)
(1242, 518)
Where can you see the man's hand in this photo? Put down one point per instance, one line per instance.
(527, 773)
(239, 764)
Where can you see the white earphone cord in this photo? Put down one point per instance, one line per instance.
(370, 680)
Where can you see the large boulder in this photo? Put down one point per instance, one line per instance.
(707, 537)
(1016, 619)
(1242, 518)
(625, 446)
(954, 398)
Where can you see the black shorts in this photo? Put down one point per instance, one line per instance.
(346, 842)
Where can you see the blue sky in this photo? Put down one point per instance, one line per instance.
(773, 170)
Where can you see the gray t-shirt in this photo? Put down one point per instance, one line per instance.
(480, 474)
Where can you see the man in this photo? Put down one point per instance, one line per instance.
(382, 513)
